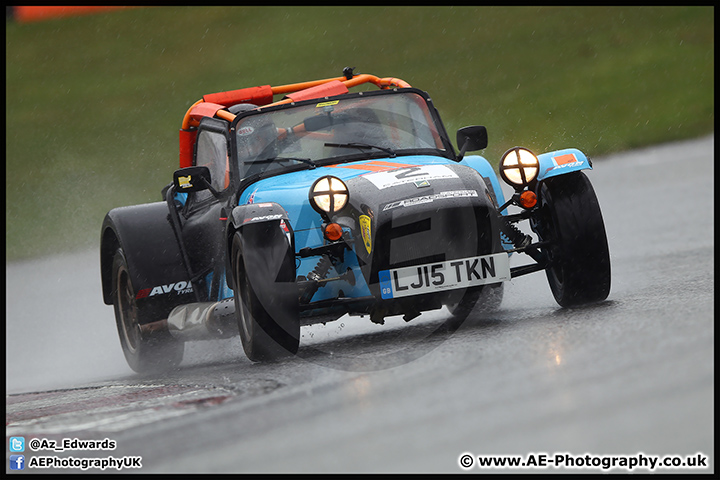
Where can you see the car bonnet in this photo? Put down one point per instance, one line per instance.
(291, 190)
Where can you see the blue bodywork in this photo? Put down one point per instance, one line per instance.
(484, 168)
(561, 162)
(290, 191)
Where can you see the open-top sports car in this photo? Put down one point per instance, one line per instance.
(301, 203)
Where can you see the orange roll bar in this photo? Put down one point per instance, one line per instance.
(225, 115)
(295, 87)
(383, 83)
(264, 94)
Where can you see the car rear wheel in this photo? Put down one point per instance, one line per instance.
(266, 297)
(570, 220)
(144, 351)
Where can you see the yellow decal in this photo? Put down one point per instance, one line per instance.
(365, 231)
(185, 181)
(326, 104)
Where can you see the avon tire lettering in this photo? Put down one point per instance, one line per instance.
(180, 288)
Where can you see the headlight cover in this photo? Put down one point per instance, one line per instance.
(328, 195)
(519, 166)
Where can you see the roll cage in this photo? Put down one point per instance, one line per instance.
(216, 105)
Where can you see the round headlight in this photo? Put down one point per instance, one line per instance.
(519, 166)
(328, 195)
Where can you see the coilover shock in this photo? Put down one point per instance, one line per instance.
(314, 277)
(517, 237)
(523, 242)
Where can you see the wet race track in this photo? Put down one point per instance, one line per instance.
(632, 377)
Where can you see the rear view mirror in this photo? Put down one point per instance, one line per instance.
(323, 121)
(191, 179)
(472, 138)
(318, 122)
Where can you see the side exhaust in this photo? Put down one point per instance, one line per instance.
(199, 321)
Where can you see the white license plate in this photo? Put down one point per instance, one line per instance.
(448, 275)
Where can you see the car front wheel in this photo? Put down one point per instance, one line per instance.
(266, 296)
(570, 220)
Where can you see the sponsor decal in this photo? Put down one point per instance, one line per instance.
(373, 166)
(568, 165)
(422, 183)
(180, 288)
(327, 104)
(244, 131)
(563, 159)
(263, 217)
(184, 182)
(286, 231)
(365, 232)
(409, 202)
(403, 176)
(568, 160)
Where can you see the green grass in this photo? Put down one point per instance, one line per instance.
(94, 103)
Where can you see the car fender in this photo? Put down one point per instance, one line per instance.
(250, 214)
(561, 162)
(256, 213)
(483, 167)
(154, 260)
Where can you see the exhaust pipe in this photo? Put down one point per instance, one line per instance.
(199, 321)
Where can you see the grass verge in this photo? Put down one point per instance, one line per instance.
(94, 103)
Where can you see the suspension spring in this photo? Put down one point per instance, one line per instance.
(315, 276)
(518, 238)
(321, 269)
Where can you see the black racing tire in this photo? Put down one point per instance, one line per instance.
(157, 351)
(266, 295)
(570, 219)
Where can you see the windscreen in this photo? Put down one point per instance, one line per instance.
(370, 125)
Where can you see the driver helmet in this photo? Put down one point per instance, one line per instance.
(256, 139)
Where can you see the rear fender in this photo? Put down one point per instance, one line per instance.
(561, 162)
(154, 260)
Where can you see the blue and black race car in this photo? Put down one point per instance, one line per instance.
(301, 203)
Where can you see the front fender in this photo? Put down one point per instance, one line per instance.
(561, 162)
(256, 213)
(251, 214)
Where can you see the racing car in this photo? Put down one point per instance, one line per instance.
(301, 203)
